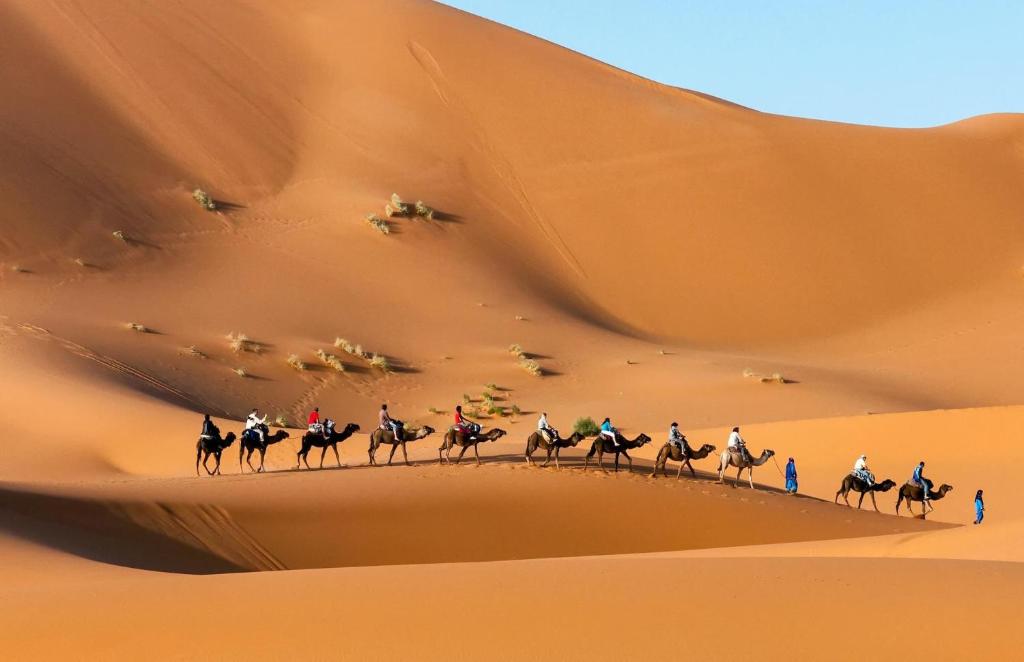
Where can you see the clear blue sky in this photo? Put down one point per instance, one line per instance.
(907, 63)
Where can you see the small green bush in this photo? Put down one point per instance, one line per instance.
(587, 427)
(380, 362)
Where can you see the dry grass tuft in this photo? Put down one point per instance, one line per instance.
(281, 421)
(241, 372)
(396, 207)
(120, 236)
(139, 328)
(774, 378)
(240, 342)
(192, 352)
(380, 362)
(516, 411)
(435, 411)
(294, 361)
(204, 199)
(330, 360)
(531, 366)
(516, 350)
(423, 211)
(379, 223)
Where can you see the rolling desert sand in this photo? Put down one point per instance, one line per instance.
(655, 250)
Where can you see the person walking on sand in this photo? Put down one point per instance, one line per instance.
(791, 485)
(979, 507)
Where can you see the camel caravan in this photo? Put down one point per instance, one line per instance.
(466, 434)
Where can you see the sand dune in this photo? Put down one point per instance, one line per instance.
(657, 251)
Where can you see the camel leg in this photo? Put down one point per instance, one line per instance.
(600, 460)
(750, 476)
(548, 461)
(873, 503)
(476, 451)
(206, 456)
(459, 458)
(630, 460)
(199, 452)
(323, 451)
(241, 451)
(846, 498)
(557, 450)
(303, 456)
(216, 469)
(248, 459)
(334, 447)
(371, 451)
(861, 500)
(394, 447)
(693, 474)
(263, 453)
(405, 455)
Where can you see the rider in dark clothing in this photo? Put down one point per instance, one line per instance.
(209, 429)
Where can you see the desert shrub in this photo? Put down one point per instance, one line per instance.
(516, 411)
(380, 362)
(775, 378)
(379, 223)
(120, 236)
(330, 360)
(516, 350)
(423, 211)
(466, 399)
(192, 352)
(491, 387)
(495, 410)
(295, 362)
(139, 328)
(359, 351)
(750, 374)
(434, 410)
(18, 269)
(397, 206)
(241, 372)
(281, 421)
(204, 199)
(531, 366)
(520, 318)
(344, 345)
(80, 262)
(240, 342)
(586, 426)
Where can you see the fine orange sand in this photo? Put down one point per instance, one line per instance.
(657, 251)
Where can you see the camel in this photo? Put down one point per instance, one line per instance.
(378, 437)
(251, 442)
(311, 439)
(910, 493)
(741, 463)
(537, 440)
(214, 447)
(851, 482)
(456, 437)
(683, 457)
(604, 445)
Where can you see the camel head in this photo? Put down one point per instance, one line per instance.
(576, 438)
(768, 453)
(642, 439)
(229, 439)
(496, 434)
(945, 488)
(886, 485)
(708, 448)
(351, 428)
(424, 431)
